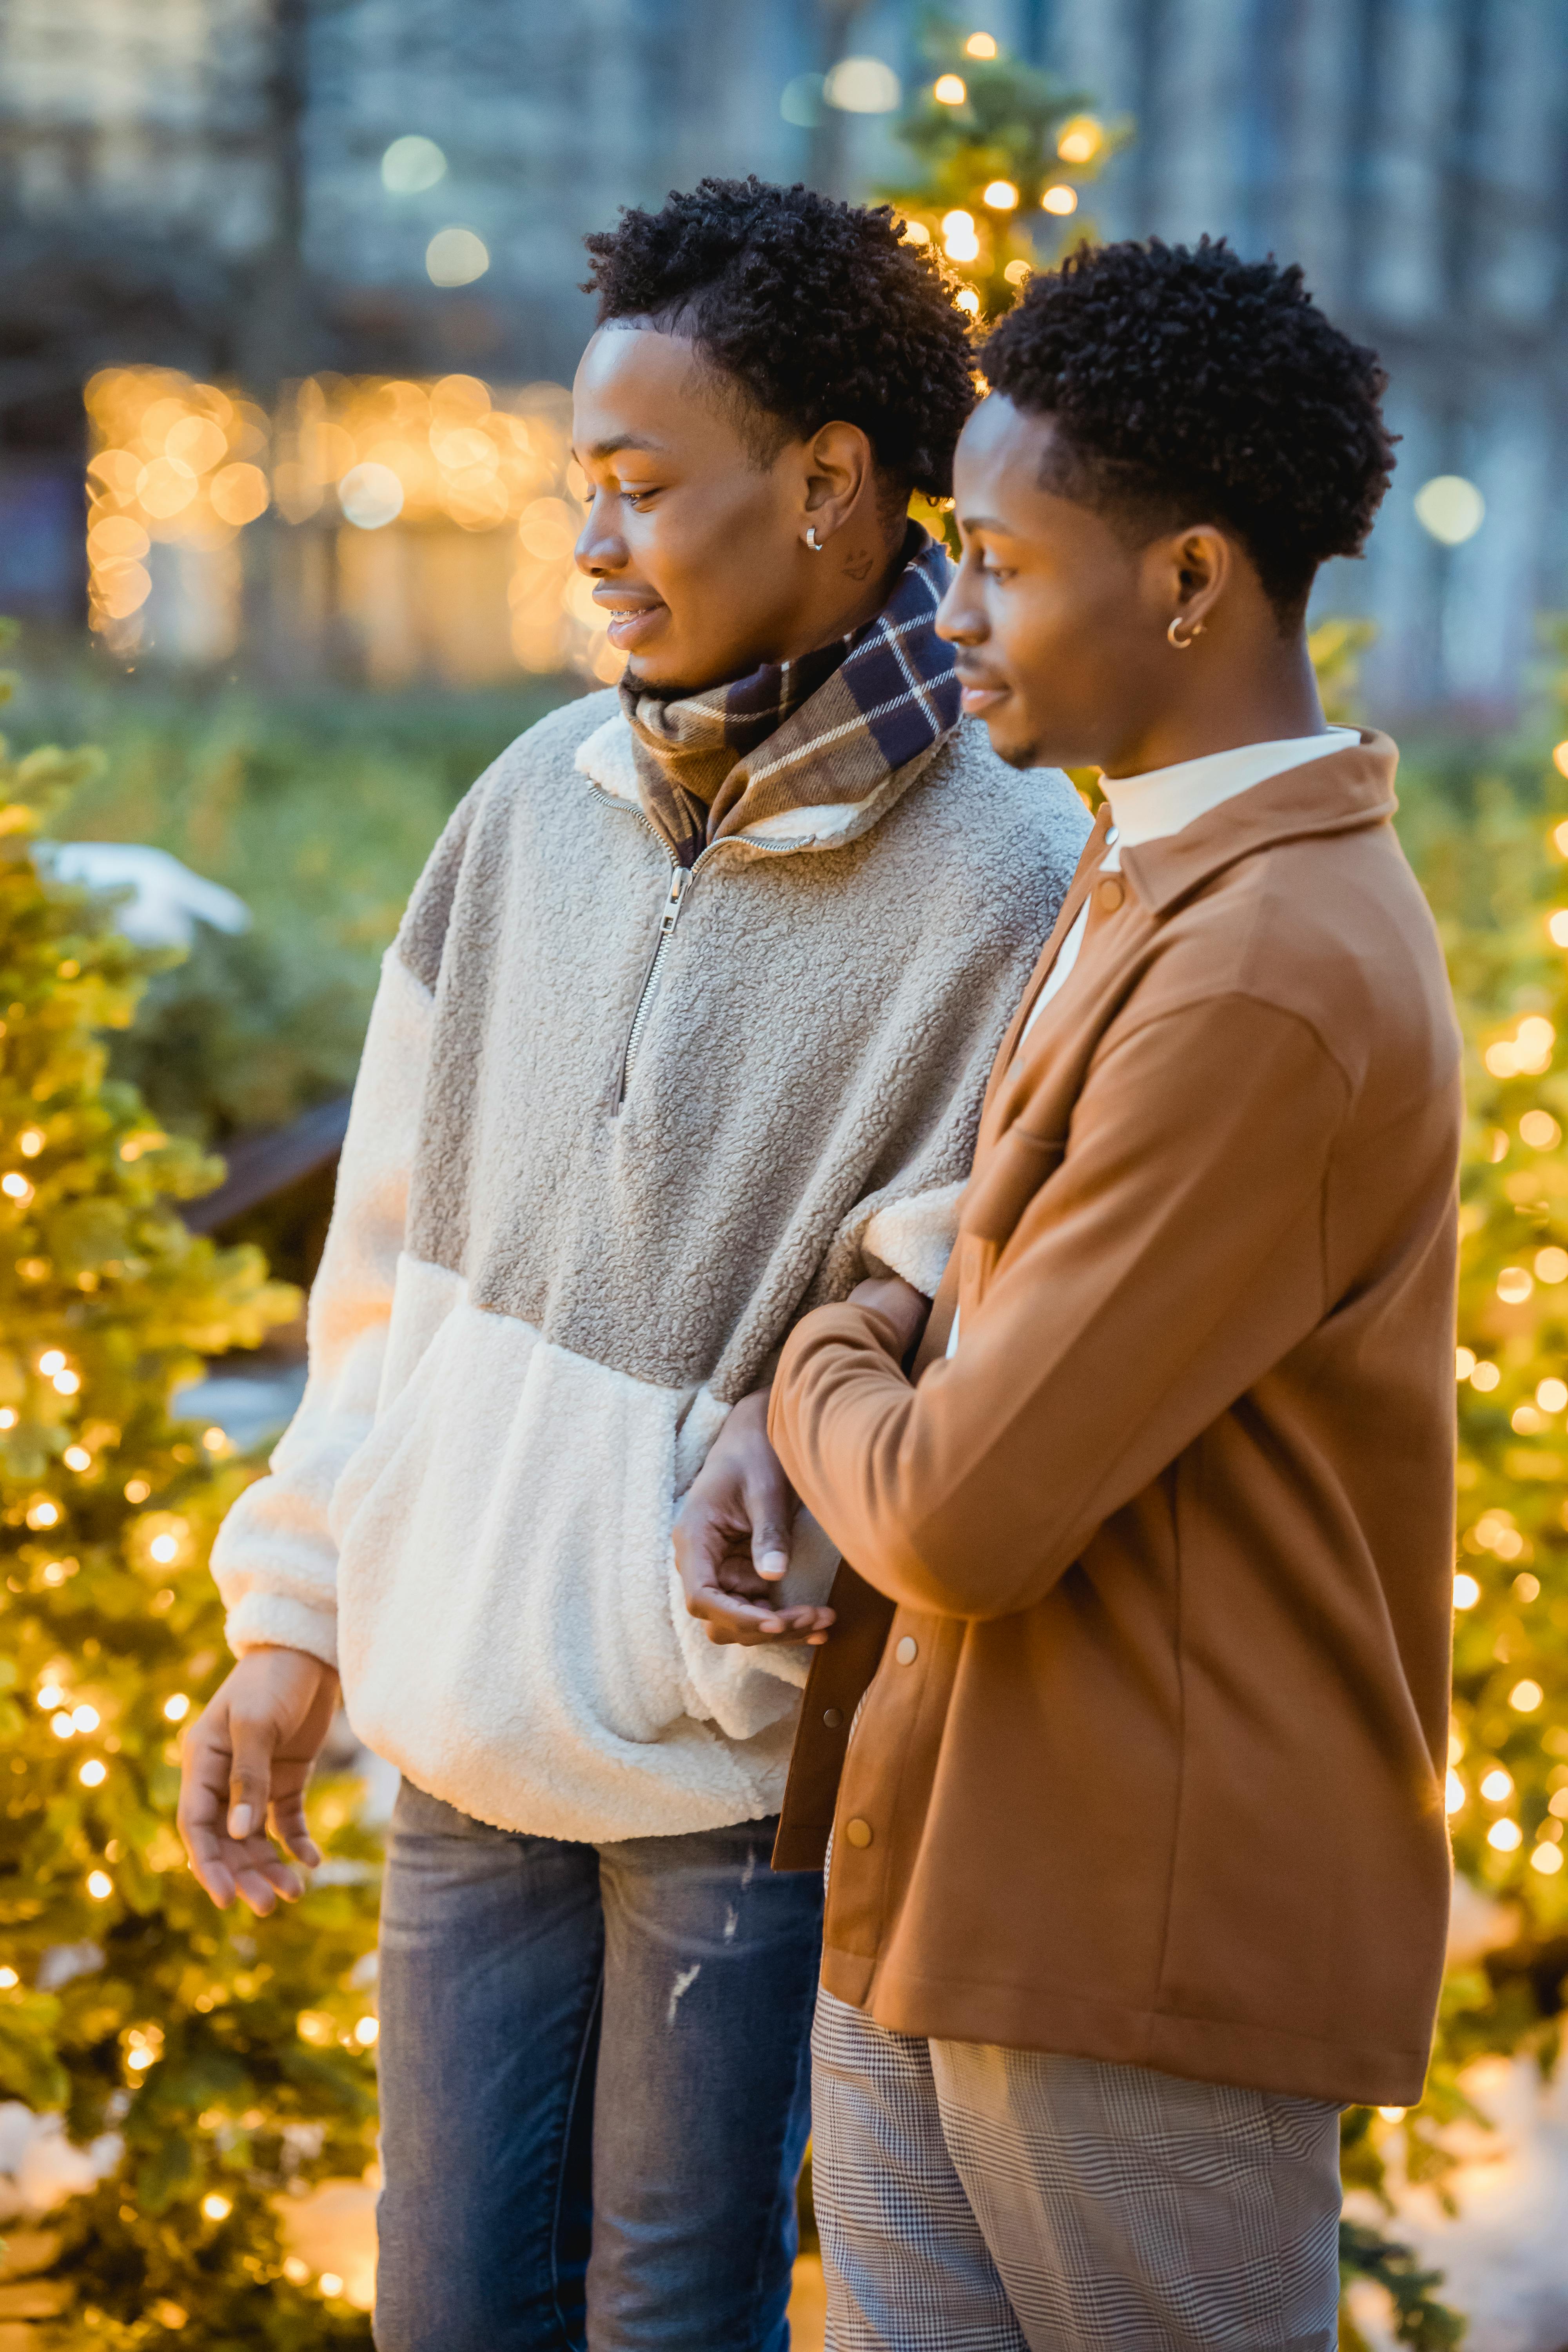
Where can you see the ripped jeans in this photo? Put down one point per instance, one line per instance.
(595, 2088)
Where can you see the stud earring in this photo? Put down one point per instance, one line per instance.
(813, 541)
(1183, 645)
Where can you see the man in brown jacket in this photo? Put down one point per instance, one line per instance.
(1139, 1869)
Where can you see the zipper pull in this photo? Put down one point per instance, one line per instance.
(678, 882)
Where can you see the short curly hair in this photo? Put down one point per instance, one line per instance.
(817, 310)
(1191, 385)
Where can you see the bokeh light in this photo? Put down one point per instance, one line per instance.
(456, 257)
(1451, 508)
(412, 164)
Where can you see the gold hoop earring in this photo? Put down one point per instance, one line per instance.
(813, 541)
(1183, 645)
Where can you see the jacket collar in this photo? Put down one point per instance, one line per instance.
(1345, 790)
(606, 758)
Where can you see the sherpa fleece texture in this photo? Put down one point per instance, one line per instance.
(540, 1299)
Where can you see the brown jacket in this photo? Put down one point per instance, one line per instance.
(1151, 1767)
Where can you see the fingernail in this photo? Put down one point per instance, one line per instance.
(771, 1624)
(773, 1564)
(240, 1820)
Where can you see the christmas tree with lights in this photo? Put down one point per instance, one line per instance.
(166, 2075)
(1003, 151)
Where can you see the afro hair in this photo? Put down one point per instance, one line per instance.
(1189, 386)
(817, 310)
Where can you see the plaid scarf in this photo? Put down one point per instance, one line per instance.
(820, 731)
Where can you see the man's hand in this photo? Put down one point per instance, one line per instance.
(247, 1760)
(732, 1538)
(899, 1303)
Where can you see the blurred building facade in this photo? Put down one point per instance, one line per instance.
(206, 186)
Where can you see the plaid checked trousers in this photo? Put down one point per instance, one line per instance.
(972, 2199)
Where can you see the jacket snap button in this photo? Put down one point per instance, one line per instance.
(1111, 894)
(857, 1832)
(907, 1651)
(832, 1717)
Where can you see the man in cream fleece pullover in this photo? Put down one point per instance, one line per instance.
(686, 1027)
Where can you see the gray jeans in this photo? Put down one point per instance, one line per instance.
(973, 2199)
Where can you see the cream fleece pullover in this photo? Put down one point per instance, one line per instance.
(540, 1297)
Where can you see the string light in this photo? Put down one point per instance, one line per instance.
(177, 1707)
(93, 1773)
(1454, 1793)
(1060, 200)
(366, 2030)
(1547, 1859)
(216, 2206)
(1080, 141)
(1001, 196)
(950, 90)
(1467, 1592)
(1505, 1836)
(1525, 1696)
(1497, 1785)
(980, 45)
(100, 1886)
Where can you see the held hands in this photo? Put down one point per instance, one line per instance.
(247, 1760)
(733, 1531)
(732, 1538)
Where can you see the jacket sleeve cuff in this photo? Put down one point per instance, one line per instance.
(272, 1621)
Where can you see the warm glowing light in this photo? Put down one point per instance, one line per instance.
(1542, 1132)
(950, 90)
(330, 2283)
(1017, 273)
(85, 1718)
(916, 233)
(1059, 200)
(456, 257)
(862, 85)
(50, 1695)
(1547, 1859)
(31, 1142)
(1463, 1362)
(1526, 1420)
(1467, 1592)
(216, 1440)
(1497, 1785)
(238, 494)
(1514, 1286)
(412, 164)
(1393, 2115)
(1485, 1376)
(366, 2030)
(137, 1490)
(371, 496)
(61, 1726)
(67, 1383)
(15, 1185)
(8, 1977)
(100, 1884)
(1505, 1836)
(1552, 1395)
(958, 235)
(216, 2206)
(295, 2270)
(967, 299)
(44, 1512)
(1560, 761)
(139, 2059)
(1557, 925)
(1558, 1804)
(1080, 139)
(980, 45)
(177, 1706)
(7, 1416)
(93, 1773)
(1450, 507)
(78, 1458)
(1525, 1696)
(1001, 196)
(164, 1549)
(1454, 1796)
(1526, 1587)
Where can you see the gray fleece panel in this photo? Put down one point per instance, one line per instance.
(815, 1046)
